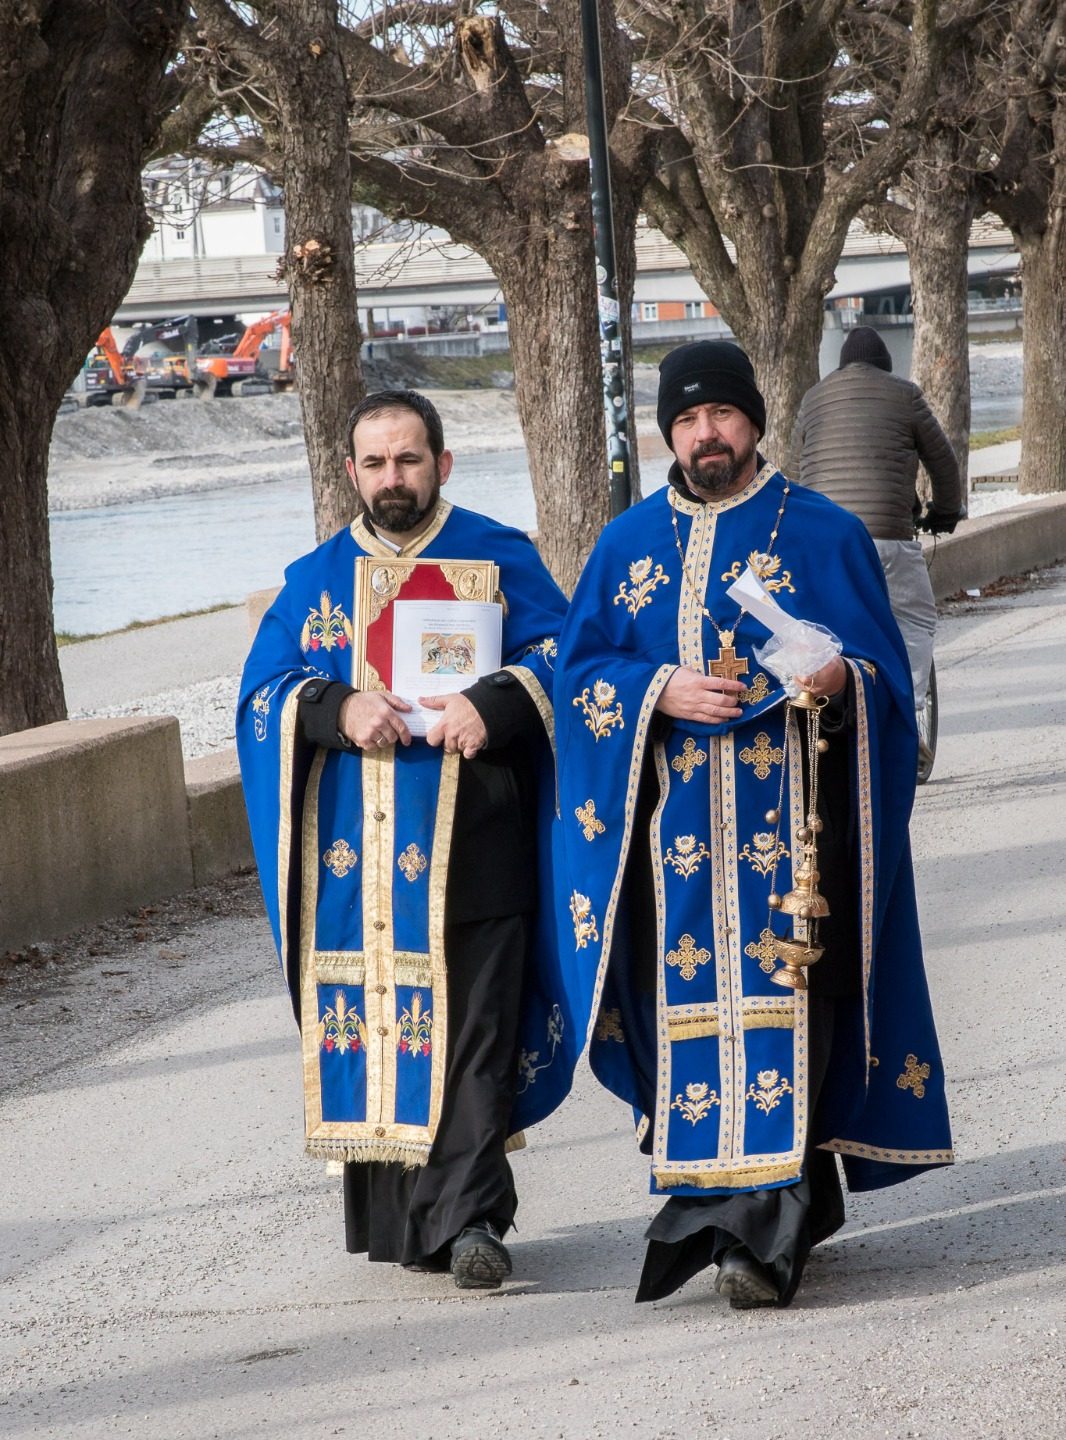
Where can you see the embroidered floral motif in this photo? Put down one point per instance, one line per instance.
(764, 952)
(684, 856)
(326, 627)
(642, 581)
(340, 858)
(766, 853)
(765, 568)
(590, 822)
(584, 920)
(762, 755)
(412, 862)
(414, 1029)
(528, 1069)
(260, 710)
(771, 1088)
(701, 1099)
(609, 1026)
(341, 1028)
(914, 1076)
(691, 757)
(686, 957)
(599, 716)
(546, 648)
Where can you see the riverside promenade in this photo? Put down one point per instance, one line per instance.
(172, 1266)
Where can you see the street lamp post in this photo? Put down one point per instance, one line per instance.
(614, 387)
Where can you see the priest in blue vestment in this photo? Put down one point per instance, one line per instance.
(407, 878)
(682, 800)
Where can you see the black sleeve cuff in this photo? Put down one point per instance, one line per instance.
(318, 710)
(839, 713)
(506, 708)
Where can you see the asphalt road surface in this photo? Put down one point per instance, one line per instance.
(172, 1266)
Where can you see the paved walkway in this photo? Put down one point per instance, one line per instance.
(996, 459)
(173, 1267)
(117, 669)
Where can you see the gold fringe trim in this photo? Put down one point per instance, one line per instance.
(514, 1142)
(364, 1151)
(412, 969)
(730, 1179)
(692, 1029)
(763, 1018)
(753, 1017)
(337, 967)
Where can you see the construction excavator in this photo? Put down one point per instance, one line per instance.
(110, 377)
(239, 371)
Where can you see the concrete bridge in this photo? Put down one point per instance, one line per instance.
(424, 271)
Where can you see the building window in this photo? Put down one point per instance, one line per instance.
(277, 224)
(649, 312)
(179, 234)
(693, 309)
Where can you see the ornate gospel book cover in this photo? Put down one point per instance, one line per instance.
(425, 627)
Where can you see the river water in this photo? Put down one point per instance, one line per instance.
(159, 557)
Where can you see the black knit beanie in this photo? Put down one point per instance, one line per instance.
(709, 372)
(865, 344)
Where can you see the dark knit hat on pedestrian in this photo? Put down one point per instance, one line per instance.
(709, 372)
(865, 344)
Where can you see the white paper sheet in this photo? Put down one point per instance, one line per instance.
(440, 647)
(752, 595)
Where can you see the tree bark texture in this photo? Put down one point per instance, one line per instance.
(549, 285)
(752, 159)
(81, 94)
(311, 94)
(1043, 463)
(943, 200)
(1026, 187)
(499, 165)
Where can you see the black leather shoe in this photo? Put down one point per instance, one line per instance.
(744, 1282)
(479, 1258)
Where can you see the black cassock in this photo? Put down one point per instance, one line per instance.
(411, 1216)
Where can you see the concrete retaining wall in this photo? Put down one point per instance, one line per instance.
(219, 838)
(1010, 542)
(100, 816)
(94, 822)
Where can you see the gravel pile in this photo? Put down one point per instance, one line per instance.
(204, 711)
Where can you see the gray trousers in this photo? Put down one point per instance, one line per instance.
(913, 606)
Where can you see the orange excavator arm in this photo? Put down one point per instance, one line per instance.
(111, 353)
(257, 332)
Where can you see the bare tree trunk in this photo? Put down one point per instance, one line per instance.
(1043, 464)
(783, 344)
(943, 206)
(549, 285)
(72, 224)
(31, 688)
(312, 100)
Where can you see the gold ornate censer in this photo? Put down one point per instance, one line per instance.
(804, 902)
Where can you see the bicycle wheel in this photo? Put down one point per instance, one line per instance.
(928, 718)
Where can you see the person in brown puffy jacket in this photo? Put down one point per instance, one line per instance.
(859, 436)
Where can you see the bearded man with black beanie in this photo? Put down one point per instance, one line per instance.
(682, 786)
